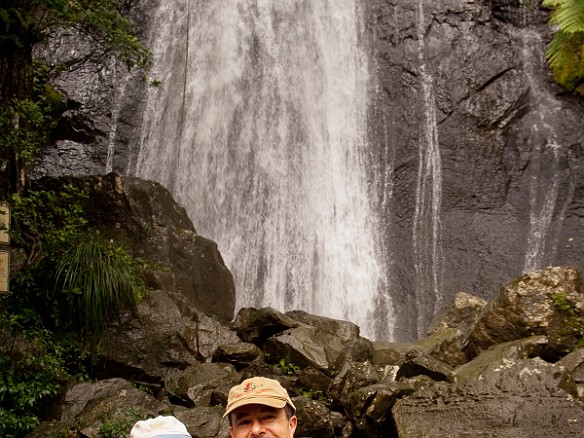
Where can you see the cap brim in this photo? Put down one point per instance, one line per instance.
(260, 400)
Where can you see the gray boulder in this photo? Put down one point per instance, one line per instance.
(545, 302)
(160, 336)
(204, 421)
(314, 418)
(205, 384)
(257, 325)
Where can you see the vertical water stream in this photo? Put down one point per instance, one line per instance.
(426, 237)
(258, 129)
(117, 102)
(547, 206)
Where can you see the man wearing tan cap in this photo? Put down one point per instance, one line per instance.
(260, 407)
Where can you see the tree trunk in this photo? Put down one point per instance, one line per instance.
(16, 82)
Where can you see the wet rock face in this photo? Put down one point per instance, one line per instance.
(469, 78)
(102, 101)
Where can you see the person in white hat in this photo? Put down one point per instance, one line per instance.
(159, 427)
(260, 407)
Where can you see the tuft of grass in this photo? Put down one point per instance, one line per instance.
(99, 279)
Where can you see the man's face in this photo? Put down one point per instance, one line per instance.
(260, 420)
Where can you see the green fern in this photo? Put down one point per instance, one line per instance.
(565, 52)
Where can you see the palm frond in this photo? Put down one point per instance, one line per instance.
(568, 15)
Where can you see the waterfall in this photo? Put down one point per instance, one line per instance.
(427, 227)
(259, 130)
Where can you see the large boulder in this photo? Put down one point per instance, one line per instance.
(257, 325)
(205, 384)
(314, 347)
(88, 406)
(461, 313)
(545, 302)
(143, 215)
(161, 335)
(519, 398)
(204, 421)
(314, 418)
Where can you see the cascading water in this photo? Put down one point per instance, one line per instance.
(258, 129)
(427, 227)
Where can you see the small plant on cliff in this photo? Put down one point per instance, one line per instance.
(73, 278)
(45, 222)
(98, 279)
(288, 367)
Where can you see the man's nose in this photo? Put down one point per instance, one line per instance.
(256, 428)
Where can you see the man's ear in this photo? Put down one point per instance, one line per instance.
(292, 424)
(231, 432)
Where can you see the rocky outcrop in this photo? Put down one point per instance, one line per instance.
(144, 217)
(520, 398)
(543, 302)
(513, 388)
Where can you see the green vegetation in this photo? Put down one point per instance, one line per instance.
(572, 334)
(288, 367)
(72, 282)
(565, 53)
(33, 368)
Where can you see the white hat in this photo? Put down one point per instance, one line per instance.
(159, 427)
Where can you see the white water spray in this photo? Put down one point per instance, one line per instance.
(259, 131)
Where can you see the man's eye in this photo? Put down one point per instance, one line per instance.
(243, 422)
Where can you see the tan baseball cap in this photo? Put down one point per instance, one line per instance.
(258, 390)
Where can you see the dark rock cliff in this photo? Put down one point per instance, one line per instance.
(484, 151)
